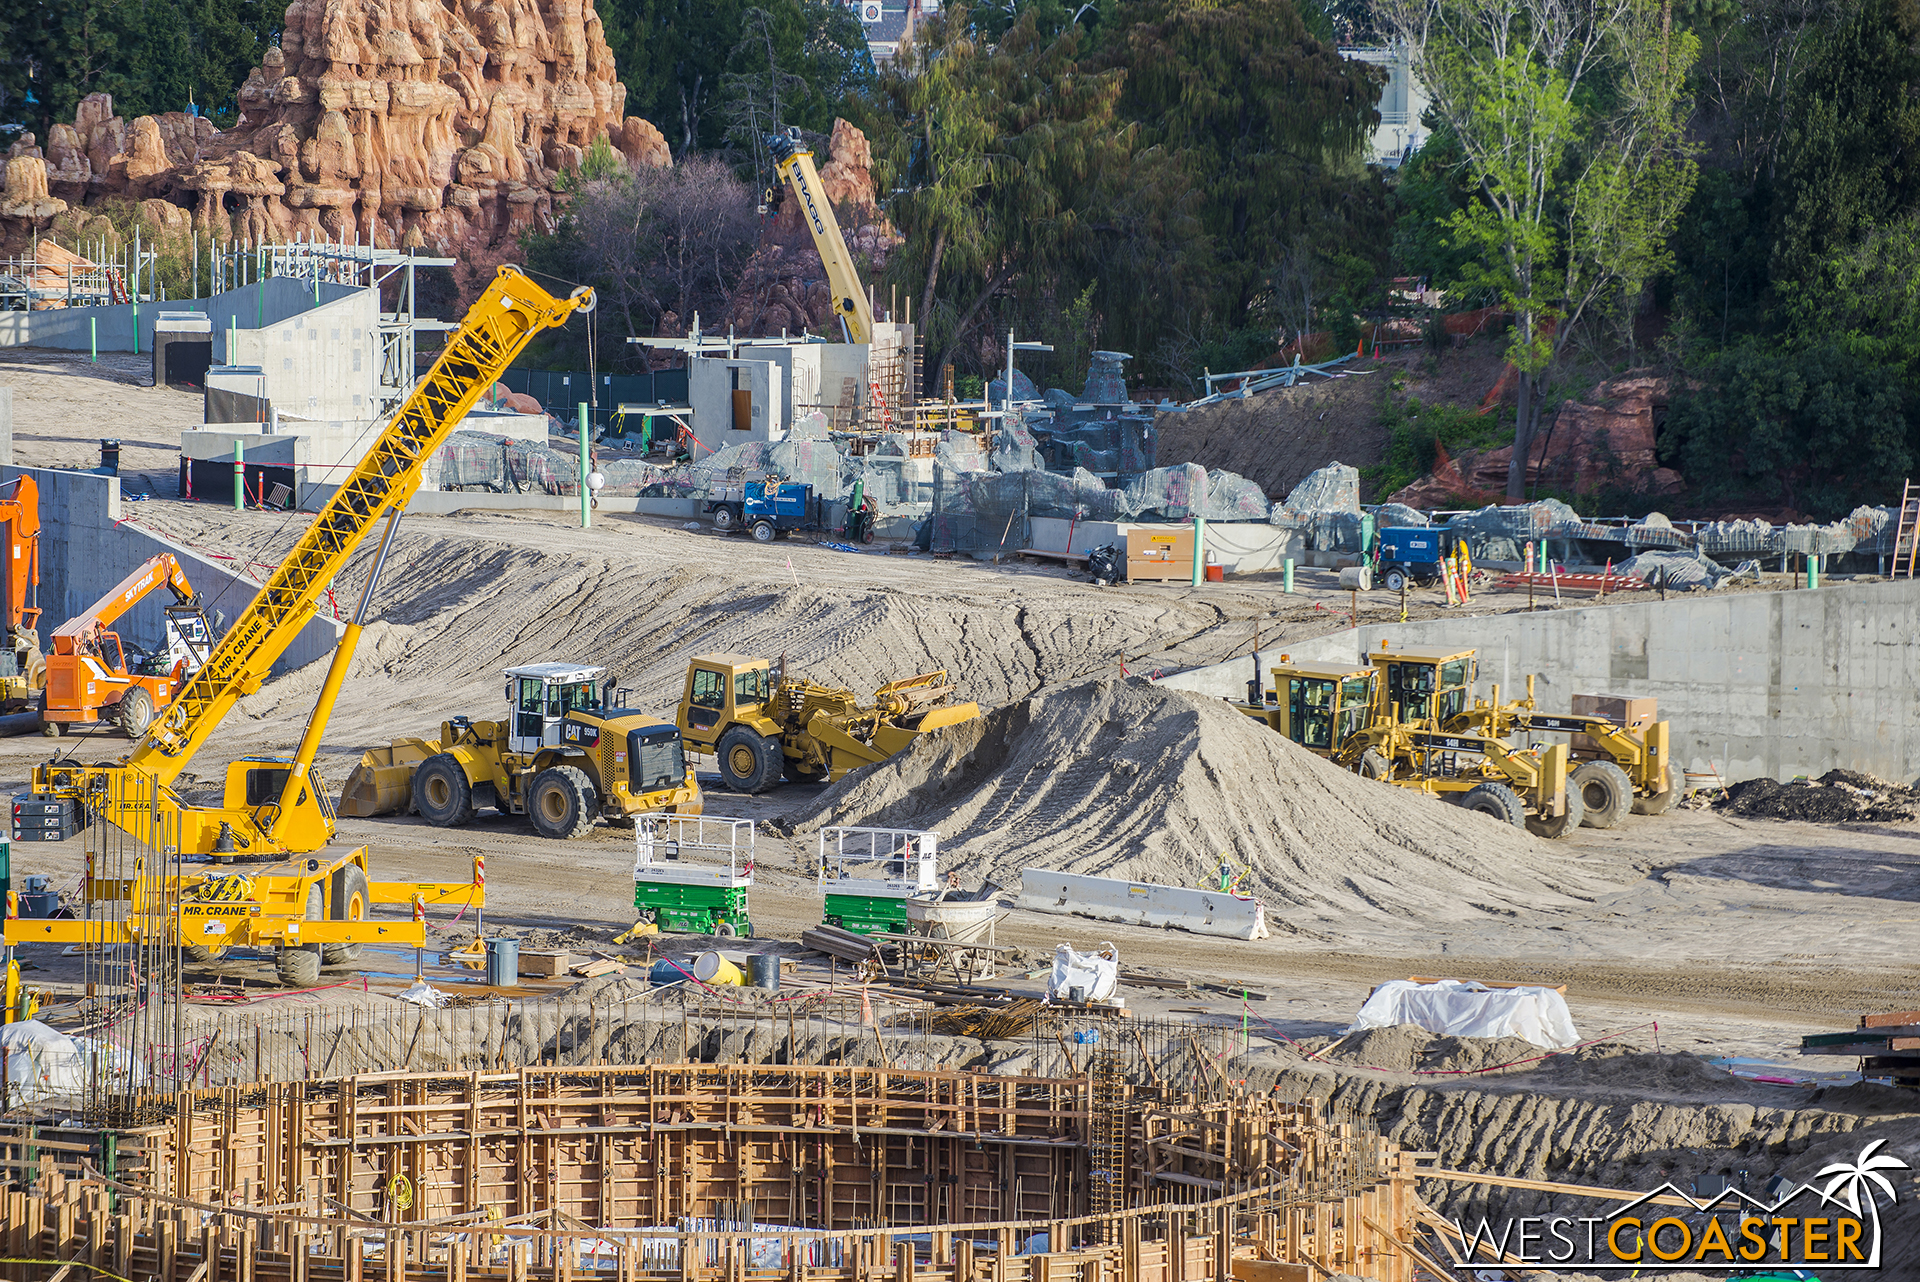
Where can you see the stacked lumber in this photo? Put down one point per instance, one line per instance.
(1887, 1045)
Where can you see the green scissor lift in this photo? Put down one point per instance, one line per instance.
(691, 873)
(866, 875)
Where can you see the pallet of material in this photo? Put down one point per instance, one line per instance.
(1893, 1039)
(544, 965)
(846, 945)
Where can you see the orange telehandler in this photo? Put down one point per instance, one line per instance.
(93, 677)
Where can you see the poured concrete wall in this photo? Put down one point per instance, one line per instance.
(267, 303)
(1754, 683)
(323, 363)
(85, 549)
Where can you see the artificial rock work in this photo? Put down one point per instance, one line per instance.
(1603, 443)
(400, 122)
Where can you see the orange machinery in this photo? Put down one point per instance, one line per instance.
(21, 675)
(88, 678)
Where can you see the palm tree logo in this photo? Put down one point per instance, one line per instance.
(1853, 1184)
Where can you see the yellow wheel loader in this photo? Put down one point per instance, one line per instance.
(563, 757)
(763, 726)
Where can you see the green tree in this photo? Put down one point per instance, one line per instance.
(1010, 169)
(1266, 118)
(1570, 115)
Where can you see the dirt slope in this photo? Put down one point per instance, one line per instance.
(1127, 779)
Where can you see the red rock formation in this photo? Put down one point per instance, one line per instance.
(395, 122)
(1604, 443)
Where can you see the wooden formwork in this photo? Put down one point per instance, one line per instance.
(704, 1171)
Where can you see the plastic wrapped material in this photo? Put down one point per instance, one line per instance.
(1107, 379)
(1081, 496)
(1682, 571)
(1084, 977)
(44, 1063)
(1654, 530)
(1873, 530)
(1451, 1008)
(810, 426)
(1023, 388)
(1057, 399)
(1014, 448)
(1398, 516)
(1333, 488)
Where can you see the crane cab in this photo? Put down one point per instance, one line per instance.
(539, 698)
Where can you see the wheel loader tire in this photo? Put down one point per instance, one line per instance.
(1658, 803)
(1373, 765)
(351, 902)
(441, 792)
(135, 713)
(763, 531)
(1563, 824)
(299, 967)
(562, 803)
(749, 762)
(1496, 800)
(1606, 793)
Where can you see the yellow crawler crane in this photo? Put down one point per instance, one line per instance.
(762, 727)
(274, 807)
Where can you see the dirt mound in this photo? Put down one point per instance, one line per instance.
(1275, 438)
(1409, 1049)
(1129, 779)
(1836, 797)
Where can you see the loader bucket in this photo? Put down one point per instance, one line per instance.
(951, 715)
(382, 784)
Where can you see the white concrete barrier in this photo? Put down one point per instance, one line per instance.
(1142, 903)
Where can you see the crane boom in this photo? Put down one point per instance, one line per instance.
(794, 163)
(133, 794)
(507, 316)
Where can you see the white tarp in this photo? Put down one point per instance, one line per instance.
(1458, 1009)
(44, 1063)
(1096, 974)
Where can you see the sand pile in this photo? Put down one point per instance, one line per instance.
(1129, 779)
(1836, 797)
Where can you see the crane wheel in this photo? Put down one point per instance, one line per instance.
(351, 901)
(1605, 792)
(136, 712)
(1658, 803)
(1374, 765)
(441, 792)
(562, 803)
(1563, 824)
(299, 967)
(1496, 800)
(749, 762)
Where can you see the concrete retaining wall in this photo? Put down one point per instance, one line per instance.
(270, 302)
(85, 550)
(1755, 683)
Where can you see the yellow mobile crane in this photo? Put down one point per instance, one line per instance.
(275, 806)
(794, 163)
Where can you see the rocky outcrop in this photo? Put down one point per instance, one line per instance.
(393, 122)
(1605, 442)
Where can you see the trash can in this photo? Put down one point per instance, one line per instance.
(503, 963)
(110, 456)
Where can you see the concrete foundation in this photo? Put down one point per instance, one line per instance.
(270, 302)
(1754, 683)
(86, 548)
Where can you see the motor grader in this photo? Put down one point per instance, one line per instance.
(564, 757)
(1624, 768)
(1340, 712)
(763, 725)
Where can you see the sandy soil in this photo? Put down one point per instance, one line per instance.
(1697, 933)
